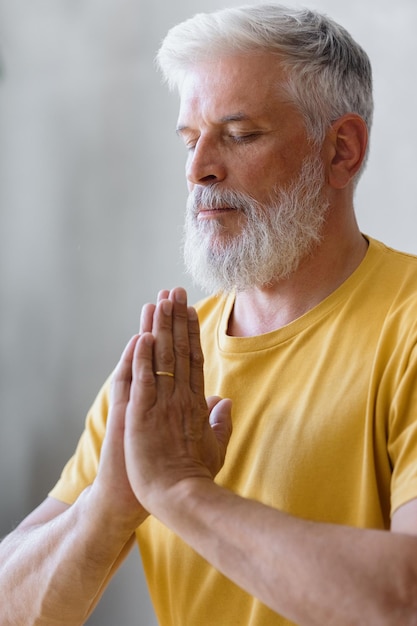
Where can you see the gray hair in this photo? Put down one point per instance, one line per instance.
(329, 74)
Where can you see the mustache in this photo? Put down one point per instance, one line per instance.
(201, 198)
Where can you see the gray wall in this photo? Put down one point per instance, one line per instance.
(92, 195)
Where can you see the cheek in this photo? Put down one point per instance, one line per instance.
(261, 174)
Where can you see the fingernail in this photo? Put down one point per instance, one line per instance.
(181, 296)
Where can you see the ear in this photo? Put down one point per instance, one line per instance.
(346, 143)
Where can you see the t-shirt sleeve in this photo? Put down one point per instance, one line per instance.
(402, 436)
(81, 469)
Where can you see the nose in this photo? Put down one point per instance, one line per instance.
(205, 163)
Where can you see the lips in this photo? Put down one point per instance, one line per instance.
(213, 202)
(214, 210)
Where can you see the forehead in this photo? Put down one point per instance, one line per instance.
(249, 84)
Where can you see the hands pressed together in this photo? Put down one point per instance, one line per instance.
(161, 428)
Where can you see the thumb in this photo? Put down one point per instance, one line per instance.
(220, 419)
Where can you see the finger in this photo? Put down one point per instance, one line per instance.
(122, 376)
(212, 401)
(163, 295)
(181, 342)
(146, 318)
(164, 358)
(148, 311)
(221, 421)
(143, 389)
(196, 353)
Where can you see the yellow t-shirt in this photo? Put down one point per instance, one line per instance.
(325, 428)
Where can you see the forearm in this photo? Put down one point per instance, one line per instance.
(54, 573)
(312, 573)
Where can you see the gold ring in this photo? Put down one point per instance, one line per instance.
(164, 374)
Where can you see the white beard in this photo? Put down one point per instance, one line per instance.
(273, 239)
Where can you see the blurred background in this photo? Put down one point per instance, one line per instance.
(91, 206)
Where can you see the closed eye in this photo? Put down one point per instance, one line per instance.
(246, 138)
(189, 144)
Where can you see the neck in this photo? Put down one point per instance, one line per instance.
(264, 309)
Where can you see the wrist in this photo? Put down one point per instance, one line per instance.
(115, 515)
(184, 499)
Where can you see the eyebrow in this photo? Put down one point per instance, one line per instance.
(233, 117)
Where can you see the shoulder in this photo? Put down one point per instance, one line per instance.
(393, 259)
(392, 271)
(389, 294)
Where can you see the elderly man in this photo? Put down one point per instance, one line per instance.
(310, 515)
